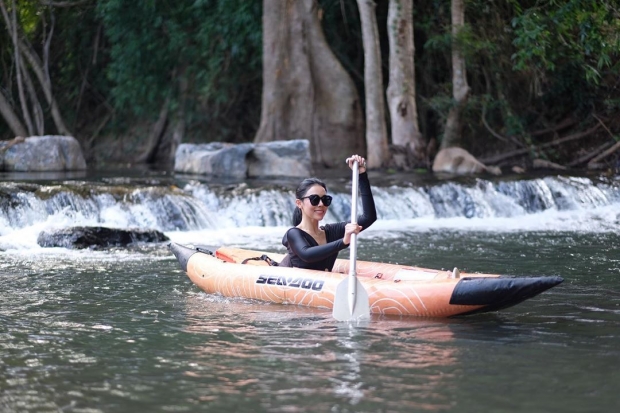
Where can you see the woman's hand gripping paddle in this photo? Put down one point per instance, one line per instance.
(351, 299)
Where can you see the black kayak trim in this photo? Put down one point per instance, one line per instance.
(501, 292)
(184, 253)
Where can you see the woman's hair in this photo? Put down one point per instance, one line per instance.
(301, 191)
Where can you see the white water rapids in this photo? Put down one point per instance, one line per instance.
(237, 214)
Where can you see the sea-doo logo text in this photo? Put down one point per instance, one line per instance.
(305, 283)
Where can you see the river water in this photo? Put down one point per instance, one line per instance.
(124, 330)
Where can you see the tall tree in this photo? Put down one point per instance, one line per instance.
(10, 21)
(460, 88)
(23, 53)
(376, 129)
(401, 91)
(11, 118)
(306, 92)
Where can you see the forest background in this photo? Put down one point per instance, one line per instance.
(510, 81)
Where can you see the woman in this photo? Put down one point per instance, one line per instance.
(312, 247)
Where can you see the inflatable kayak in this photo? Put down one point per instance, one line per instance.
(392, 289)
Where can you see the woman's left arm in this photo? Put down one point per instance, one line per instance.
(368, 203)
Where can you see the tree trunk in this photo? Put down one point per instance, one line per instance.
(46, 84)
(37, 110)
(376, 129)
(155, 135)
(6, 110)
(171, 140)
(401, 93)
(460, 88)
(23, 49)
(11, 26)
(306, 92)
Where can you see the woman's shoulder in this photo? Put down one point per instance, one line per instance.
(292, 230)
(296, 232)
(287, 233)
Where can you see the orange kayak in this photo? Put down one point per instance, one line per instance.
(392, 289)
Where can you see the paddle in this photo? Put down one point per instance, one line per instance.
(351, 299)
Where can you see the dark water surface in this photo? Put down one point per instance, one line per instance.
(125, 331)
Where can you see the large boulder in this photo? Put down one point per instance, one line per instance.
(97, 237)
(458, 161)
(216, 158)
(280, 158)
(42, 153)
(246, 160)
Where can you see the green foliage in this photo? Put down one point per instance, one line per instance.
(530, 64)
(78, 66)
(28, 15)
(580, 33)
(70, 32)
(127, 58)
(213, 44)
(143, 53)
(439, 42)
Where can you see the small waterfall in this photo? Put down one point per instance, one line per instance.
(561, 193)
(199, 205)
(159, 208)
(517, 198)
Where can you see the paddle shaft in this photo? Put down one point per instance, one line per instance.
(353, 246)
(354, 189)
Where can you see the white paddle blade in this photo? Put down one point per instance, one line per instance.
(351, 304)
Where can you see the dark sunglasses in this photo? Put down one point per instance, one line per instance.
(314, 199)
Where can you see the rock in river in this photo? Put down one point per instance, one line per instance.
(97, 237)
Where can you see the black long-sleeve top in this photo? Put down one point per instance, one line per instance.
(305, 252)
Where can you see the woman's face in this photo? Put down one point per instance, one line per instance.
(318, 212)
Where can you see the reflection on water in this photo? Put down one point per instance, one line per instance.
(307, 360)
